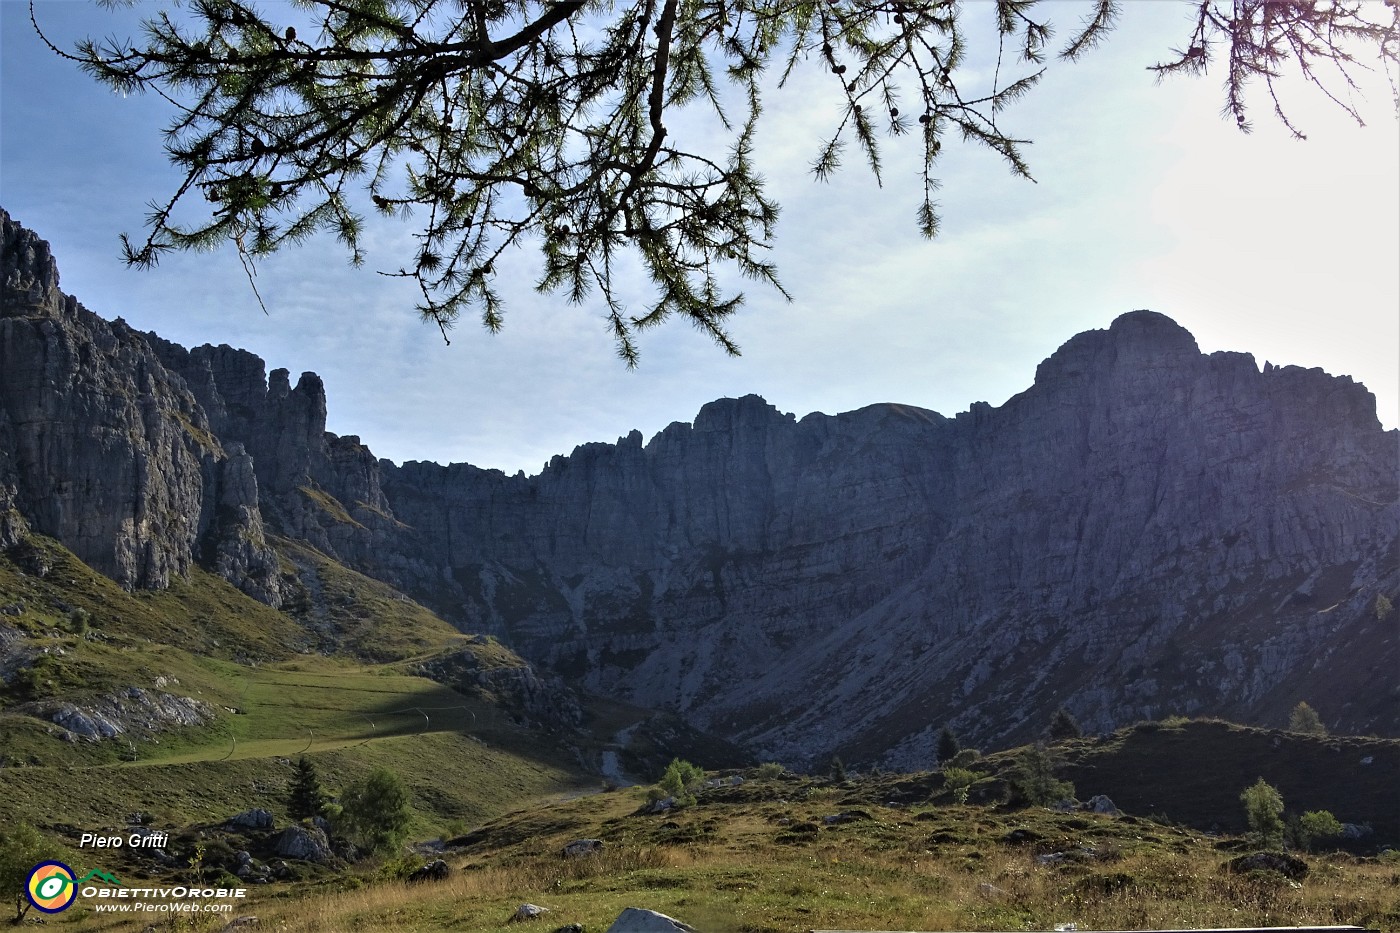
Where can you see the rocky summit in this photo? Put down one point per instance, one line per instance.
(1146, 530)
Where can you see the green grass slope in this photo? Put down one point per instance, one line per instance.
(1193, 772)
(333, 677)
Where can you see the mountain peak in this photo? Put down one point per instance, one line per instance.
(1139, 339)
(28, 270)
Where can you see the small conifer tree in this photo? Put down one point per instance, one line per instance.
(1304, 719)
(837, 770)
(947, 746)
(1032, 781)
(1063, 726)
(1263, 810)
(306, 797)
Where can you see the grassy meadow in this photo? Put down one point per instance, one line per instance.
(765, 858)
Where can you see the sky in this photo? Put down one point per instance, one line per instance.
(1144, 198)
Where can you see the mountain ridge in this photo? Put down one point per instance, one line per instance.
(1144, 530)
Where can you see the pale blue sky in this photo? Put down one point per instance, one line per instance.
(1146, 198)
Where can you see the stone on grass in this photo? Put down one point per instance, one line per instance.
(1101, 804)
(251, 819)
(638, 920)
(528, 912)
(436, 870)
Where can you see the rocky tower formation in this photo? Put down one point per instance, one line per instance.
(1146, 530)
(105, 449)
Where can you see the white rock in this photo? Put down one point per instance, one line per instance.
(528, 912)
(638, 920)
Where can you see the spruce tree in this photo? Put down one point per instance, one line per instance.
(306, 796)
(947, 746)
(1063, 726)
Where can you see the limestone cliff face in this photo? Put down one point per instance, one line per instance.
(1146, 530)
(104, 448)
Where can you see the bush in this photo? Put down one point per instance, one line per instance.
(374, 813)
(79, 621)
(769, 770)
(1263, 810)
(958, 781)
(679, 782)
(1314, 827)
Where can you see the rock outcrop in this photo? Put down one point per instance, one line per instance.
(104, 448)
(1146, 530)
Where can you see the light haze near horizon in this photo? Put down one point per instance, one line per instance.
(1145, 198)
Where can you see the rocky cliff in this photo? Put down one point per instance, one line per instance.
(1146, 530)
(105, 449)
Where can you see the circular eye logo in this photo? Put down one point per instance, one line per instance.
(51, 887)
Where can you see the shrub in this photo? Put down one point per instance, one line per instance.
(769, 770)
(1304, 719)
(79, 621)
(837, 768)
(1383, 607)
(679, 781)
(1263, 810)
(963, 758)
(1314, 827)
(374, 812)
(958, 781)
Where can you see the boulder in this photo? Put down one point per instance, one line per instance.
(436, 870)
(251, 819)
(1291, 867)
(1101, 804)
(581, 847)
(847, 816)
(307, 843)
(639, 920)
(528, 912)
